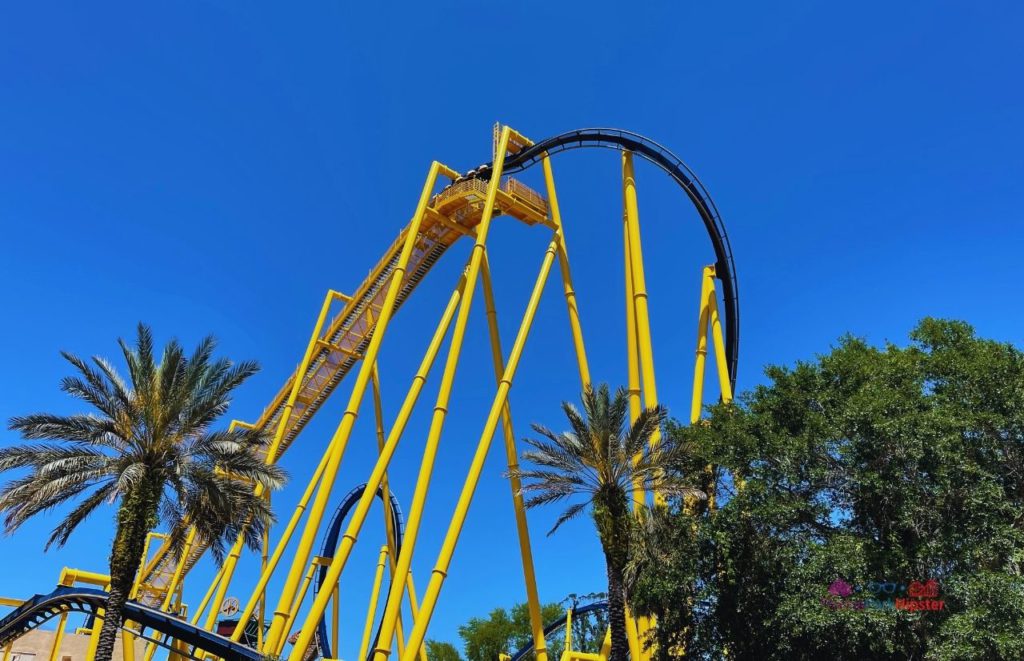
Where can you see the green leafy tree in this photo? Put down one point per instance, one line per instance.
(441, 651)
(148, 445)
(599, 461)
(505, 631)
(869, 465)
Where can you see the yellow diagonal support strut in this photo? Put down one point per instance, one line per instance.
(512, 459)
(358, 516)
(371, 610)
(383, 649)
(567, 287)
(261, 585)
(472, 479)
(231, 562)
(276, 633)
(392, 541)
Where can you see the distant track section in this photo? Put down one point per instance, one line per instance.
(523, 653)
(619, 139)
(42, 607)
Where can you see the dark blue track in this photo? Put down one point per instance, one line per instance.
(552, 627)
(42, 607)
(725, 266)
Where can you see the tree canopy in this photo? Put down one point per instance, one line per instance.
(845, 484)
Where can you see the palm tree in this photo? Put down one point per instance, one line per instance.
(600, 459)
(149, 447)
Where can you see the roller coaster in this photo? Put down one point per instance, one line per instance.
(346, 342)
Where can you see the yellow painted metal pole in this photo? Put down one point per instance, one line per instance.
(94, 636)
(7, 651)
(259, 592)
(697, 401)
(632, 358)
(568, 630)
(643, 325)
(59, 637)
(644, 347)
(358, 516)
(512, 458)
(300, 595)
(567, 286)
(206, 597)
(236, 549)
(394, 604)
(391, 533)
(341, 436)
(476, 467)
(371, 610)
(127, 645)
(179, 569)
(724, 384)
(336, 616)
(261, 615)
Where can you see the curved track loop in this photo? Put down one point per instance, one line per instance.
(330, 544)
(619, 139)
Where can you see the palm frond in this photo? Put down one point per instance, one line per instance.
(63, 531)
(568, 515)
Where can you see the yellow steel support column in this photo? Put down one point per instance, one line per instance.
(94, 635)
(639, 323)
(391, 534)
(724, 384)
(206, 598)
(341, 436)
(180, 567)
(394, 604)
(261, 613)
(300, 595)
(567, 286)
(512, 458)
(697, 401)
(371, 610)
(472, 479)
(358, 516)
(259, 592)
(336, 616)
(568, 630)
(645, 347)
(127, 645)
(271, 457)
(59, 637)
(632, 359)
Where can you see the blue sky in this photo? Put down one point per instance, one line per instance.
(215, 167)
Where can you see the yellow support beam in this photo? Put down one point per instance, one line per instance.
(259, 591)
(568, 290)
(498, 404)
(512, 459)
(276, 634)
(391, 612)
(371, 610)
(358, 516)
(231, 562)
(59, 637)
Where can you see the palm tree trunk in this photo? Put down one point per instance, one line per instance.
(135, 518)
(617, 612)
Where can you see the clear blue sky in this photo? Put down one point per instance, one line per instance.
(215, 167)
